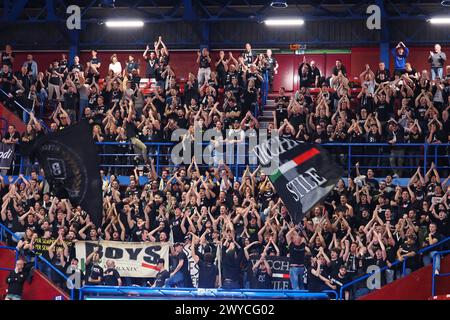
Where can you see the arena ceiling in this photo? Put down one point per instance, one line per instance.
(211, 10)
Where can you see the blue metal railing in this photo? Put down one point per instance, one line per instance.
(419, 153)
(4, 229)
(23, 108)
(395, 263)
(111, 292)
(265, 89)
(434, 275)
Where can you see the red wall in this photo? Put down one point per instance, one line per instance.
(12, 118)
(39, 289)
(416, 286)
(362, 56)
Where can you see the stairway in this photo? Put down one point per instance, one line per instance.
(267, 115)
(415, 286)
(41, 288)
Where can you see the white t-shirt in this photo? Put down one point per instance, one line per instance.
(116, 67)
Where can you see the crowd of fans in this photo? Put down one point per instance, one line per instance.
(363, 223)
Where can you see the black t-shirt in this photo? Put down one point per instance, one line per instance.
(178, 235)
(152, 66)
(70, 101)
(315, 284)
(411, 262)
(297, 254)
(207, 274)
(161, 278)
(231, 264)
(382, 76)
(342, 69)
(263, 280)
(95, 60)
(131, 130)
(15, 282)
(384, 110)
(6, 59)
(271, 63)
(373, 138)
(339, 281)
(334, 266)
(248, 57)
(78, 66)
(7, 78)
(204, 63)
(15, 135)
(93, 271)
(185, 268)
(111, 277)
(130, 65)
(53, 77)
(281, 113)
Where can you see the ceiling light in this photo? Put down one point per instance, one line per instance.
(278, 4)
(124, 23)
(284, 22)
(440, 20)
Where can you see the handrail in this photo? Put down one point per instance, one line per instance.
(265, 88)
(328, 144)
(3, 227)
(396, 262)
(433, 275)
(199, 292)
(23, 108)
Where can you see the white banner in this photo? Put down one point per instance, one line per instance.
(193, 267)
(133, 259)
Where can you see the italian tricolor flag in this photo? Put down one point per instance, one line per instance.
(298, 160)
(280, 275)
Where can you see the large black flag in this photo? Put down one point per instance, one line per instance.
(302, 173)
(71, 165)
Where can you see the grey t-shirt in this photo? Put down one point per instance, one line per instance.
(437, 60)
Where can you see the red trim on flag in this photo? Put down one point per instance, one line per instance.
(306, 156)
(149, 266)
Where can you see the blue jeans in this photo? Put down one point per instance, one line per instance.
(390, 275)
(176, 280)
(437, 72)
(428, 259)
(294, 273)
(83, 104)
(230, 284)
(246, 281)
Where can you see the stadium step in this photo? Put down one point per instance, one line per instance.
(12, 118)
(415, 286)
(40, 288)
